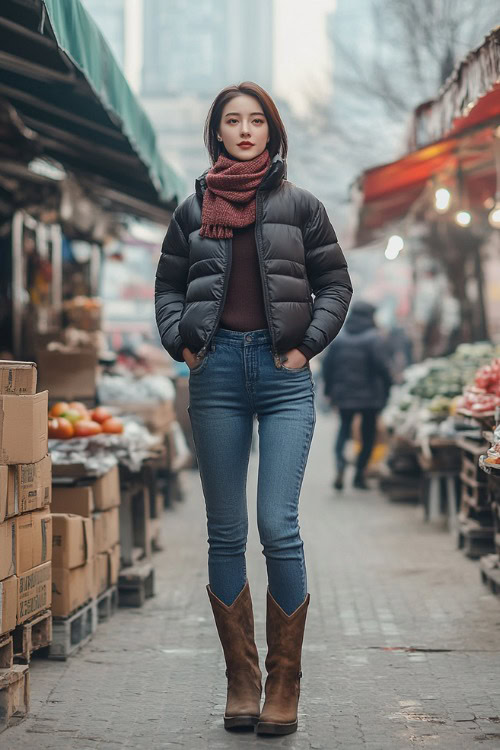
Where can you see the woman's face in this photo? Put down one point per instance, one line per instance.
(243, 120)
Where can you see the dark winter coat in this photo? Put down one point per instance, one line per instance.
(356, 368)
(298, 254)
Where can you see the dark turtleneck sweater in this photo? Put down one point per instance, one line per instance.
(244, 307)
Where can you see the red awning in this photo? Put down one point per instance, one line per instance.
(388, 191)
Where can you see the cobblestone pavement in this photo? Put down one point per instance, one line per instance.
(402, 645)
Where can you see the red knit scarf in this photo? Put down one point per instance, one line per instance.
(229, 200)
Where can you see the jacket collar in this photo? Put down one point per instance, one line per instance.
(272, 179)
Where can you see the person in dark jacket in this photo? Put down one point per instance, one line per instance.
(357, 379)
(240, 263)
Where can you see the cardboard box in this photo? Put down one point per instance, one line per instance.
(7, 548)
(23, 428)
(106, 529)
(71, 588)
(68, 373)
(106, 569)
(8, 604)
(72, 540)
(8, 505)
(25, 487)
(106, 490)
(17, 377)
(34, 591)
(33, 540)
(78, 500)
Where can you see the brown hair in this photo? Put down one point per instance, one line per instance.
(278, 141)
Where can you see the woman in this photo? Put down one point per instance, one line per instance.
(240, 260)
(357, 379)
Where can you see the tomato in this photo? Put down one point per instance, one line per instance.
(86, 428)
(101, 414)
(60, 429)
(58, 409)
(81, 408)
(72, 415)
(113, 426)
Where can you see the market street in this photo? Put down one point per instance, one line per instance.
(402, 645)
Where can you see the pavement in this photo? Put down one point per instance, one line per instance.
(402, 645)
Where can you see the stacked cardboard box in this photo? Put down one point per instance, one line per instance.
(73, 562)
(25, 493)
(98, 503)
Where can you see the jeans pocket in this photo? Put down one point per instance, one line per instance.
(200, 367)
(296, 369)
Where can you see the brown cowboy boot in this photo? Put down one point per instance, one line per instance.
(285, 634)
(235, 626)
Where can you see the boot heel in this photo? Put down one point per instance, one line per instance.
(240, 722)
(268, 727)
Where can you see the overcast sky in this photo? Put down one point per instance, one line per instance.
(301, 48)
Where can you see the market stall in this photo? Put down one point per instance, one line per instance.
(438, 205)
(78, 526)
(441, 422)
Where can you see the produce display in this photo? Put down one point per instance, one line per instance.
(484, 396)
(434, 391)
(492, 457)
(97, 453)
(74, 420)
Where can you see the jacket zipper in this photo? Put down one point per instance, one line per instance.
(229, 258)
(265, 290)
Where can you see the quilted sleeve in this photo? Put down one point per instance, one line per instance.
(170, 287)
(328, 277)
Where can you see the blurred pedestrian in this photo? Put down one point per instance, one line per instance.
(239, 263)
(357, 379)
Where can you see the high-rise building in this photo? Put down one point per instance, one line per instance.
(179, 54)
(191, 51)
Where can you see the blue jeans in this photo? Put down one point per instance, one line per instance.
(237, 379)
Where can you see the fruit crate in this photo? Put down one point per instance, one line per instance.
(470, 468)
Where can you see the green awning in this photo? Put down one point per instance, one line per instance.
(59, 73)
(80, 38)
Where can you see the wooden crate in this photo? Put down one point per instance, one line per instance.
(32, 636)
(69, 634)
(473, 538)
(471, 450)
(107, 604)
(439, 455)
(6, 651)
(14, 695)
(490, 572)
(135, 584)
(474, 493)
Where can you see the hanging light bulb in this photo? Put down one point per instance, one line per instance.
(463, 218)
(442, 200)
(494, 216)
(394, 246)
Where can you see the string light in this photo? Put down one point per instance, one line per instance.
(463, 218)
(395, 244)
(442, 200)
(494, 214)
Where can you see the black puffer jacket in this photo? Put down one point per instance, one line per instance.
(355, 367)
(298, 254)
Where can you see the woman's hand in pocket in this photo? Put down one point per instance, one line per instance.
(189, 358)
(294, 359)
